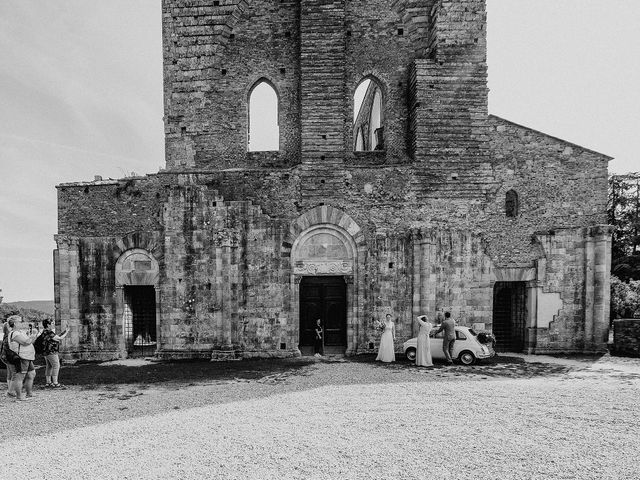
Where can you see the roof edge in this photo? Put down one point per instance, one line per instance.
(609, 158)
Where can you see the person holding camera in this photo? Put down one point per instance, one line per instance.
(51, 347)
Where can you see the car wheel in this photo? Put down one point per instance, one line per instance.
(411, 354)
(467, 358)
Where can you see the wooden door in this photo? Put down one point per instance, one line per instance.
(324, 298)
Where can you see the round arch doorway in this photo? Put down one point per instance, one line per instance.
(324, 298)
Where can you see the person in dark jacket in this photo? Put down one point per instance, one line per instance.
(318, 337)
(449, 327)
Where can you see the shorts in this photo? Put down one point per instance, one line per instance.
(26, 366)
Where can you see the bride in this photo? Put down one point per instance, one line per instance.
(386, 352)
(423, 349)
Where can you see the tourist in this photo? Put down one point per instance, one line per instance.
(318, 347)
(423, 348)
(22, 343)
(449, 327)
(11, 369)
(51, 348)
(386, 352)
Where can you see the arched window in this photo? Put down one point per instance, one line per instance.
(511, 204)
(264, 131)
(368, 116)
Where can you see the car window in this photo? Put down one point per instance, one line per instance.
(437, 335)
(473, 332)
(460, 335)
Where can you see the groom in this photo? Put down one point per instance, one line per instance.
(449, 327)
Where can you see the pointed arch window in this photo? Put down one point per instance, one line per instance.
(263, 127)
(511, 204)
(368, 116)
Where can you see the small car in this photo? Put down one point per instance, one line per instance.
(466, 349)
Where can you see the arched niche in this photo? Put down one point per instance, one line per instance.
(137, 267)
(324, 250)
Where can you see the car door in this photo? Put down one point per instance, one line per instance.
(436, 346)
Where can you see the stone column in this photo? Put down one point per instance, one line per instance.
(225, 350)
(530, 341)
(67, 273)
(589, 293)
(601, 285)
(122, 341)
(416, 237)
(352, 319)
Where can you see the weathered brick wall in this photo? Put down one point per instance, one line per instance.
(214, 53)
(626, 337)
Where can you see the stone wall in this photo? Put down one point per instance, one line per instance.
(626, 337)
(425, 217)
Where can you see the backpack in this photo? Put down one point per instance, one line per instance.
(39, 344)
(7, 355)
(4, 346)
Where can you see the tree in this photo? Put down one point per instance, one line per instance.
(623, 212)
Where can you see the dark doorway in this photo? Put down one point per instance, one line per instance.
(140, 320)
(509, 315)
(324, 298)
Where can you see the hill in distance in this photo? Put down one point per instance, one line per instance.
(45, 306)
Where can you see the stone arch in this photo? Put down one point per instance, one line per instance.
(137, 282)
(150, 242)
(326, 214)
(137, 267)
(325, 241)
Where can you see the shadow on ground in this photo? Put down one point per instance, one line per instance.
(189, 372)
(502, 366)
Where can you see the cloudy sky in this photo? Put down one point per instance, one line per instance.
(81, 95)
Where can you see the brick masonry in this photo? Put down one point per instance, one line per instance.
(423, 222)
(626, 337)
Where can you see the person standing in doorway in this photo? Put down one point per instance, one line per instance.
(51, 348)
(449, 327)
(386, 352)
(318, 339)
(423, 347)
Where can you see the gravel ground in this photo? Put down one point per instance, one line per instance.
(542, 418)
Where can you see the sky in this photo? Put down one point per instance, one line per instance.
(81, 95)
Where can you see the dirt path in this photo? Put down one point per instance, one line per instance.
(558, 418)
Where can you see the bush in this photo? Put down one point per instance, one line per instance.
(625, 298)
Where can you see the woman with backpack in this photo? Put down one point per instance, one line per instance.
(22, 344)
(51, 343)
(11, 369)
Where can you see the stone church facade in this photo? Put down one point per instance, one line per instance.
(420, 201)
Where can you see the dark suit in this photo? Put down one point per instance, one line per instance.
(449, 327)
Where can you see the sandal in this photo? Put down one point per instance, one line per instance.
(56, 385)
(48, 385)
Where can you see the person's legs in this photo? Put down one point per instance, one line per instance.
(446, 350)
(11, 371)
(55, 368)
(28, 382)
(18, 378)
(47, 370)
(451, 342)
